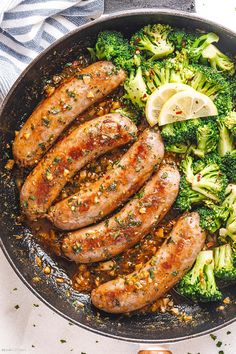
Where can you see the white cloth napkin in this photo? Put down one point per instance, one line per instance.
(27, 27)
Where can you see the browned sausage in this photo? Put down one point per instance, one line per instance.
(117, 185)
(56, 112)
(69, 155)
(135, 220)
(159, 275)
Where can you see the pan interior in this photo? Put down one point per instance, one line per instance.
(19, 244)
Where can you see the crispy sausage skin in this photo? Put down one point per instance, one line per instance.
(110, 191)
(159, 275)
(135, 220)
(56, 112)
(68, 156)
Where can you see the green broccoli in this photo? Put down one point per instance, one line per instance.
(229, 165)
(199, 283)
(225, 144)
(109, 44)
(153, 41)
(112, 45)
(179, 148)
(218, 60)
(181, 39)
(135, 87)
(213, 84)
(226, 147)
(212, 216)
(187, 196)
(232, 85)
(184, 132)
(230, 123)
(196, 48)
(205, 177)
(207, 138)
(229, 231)
(160, 73)
(225, 262)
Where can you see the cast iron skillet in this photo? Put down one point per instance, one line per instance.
(75, 307)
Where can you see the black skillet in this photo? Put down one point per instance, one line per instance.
(20, 252)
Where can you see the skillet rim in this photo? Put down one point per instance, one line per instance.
(104, 18)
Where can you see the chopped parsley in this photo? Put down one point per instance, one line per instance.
(151, 272)
(213, 336)
(42, 146)
(140, 194)
(25, 204)
(77, 248)
(32, 197)
(56, 160)
(45, 122)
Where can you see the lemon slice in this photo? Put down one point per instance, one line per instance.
(157, 99)
(186, 105)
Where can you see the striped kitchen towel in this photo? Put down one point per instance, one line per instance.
(29, 26)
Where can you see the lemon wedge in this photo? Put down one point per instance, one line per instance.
(186, 105)
(161, 95)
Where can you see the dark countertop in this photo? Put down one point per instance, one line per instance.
(117, 5)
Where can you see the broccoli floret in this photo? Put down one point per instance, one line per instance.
(229, 231)
(184, 132)
(112, 45)
(135, 87)
(229, 165)
(160, 73)
(153, 41)
(196, 48)
(187, 196)
(199, 283)
(177, 148)
(209, 219)
(205, 177)
(181, 39)
(218, 60)
(212, 216)
(225, 144)
(209, 82)
(224, 262)
(109, 45)
(232, 85)
(207, 138)
(230, 122)
(126, 62)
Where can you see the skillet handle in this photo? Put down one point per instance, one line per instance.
(154, 351)
(120, 5)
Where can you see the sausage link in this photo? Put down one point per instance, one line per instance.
(68, 156)
(135, 220)
(159, 275)
(110, 191)
(56, 112)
